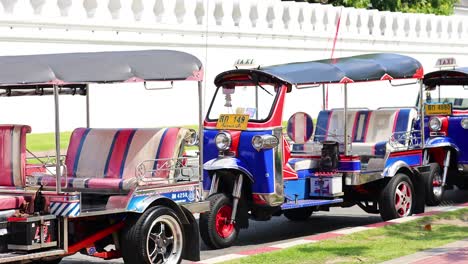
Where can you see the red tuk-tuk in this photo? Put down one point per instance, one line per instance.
(127, 187)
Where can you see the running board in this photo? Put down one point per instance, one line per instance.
(309, 203)
(17, 256)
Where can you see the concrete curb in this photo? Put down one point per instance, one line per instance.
(329, 235)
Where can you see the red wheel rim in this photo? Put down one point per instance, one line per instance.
(403, 199)
(224, 227)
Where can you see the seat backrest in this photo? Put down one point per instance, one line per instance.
(384, 122)
(116, 153)
(330, 125)
(13, 155)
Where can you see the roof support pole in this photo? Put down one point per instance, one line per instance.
(58, 173)
(324, 102)
(421, 112)
(200, 130)
(346, 149)
(88, 121)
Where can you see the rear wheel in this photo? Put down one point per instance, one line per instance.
(434, 188)
(216, 228)
(156, 237)
(299, 214)
(397, 198)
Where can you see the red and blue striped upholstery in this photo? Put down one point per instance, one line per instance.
(300, 127)
(379, 126)
(108, 158)
(369, 130)
(13, 155)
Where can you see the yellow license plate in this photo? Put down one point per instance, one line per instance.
(438, 109)
(232, 121)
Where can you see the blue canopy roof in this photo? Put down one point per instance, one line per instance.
(369, 67)
(458, 76)
(98, 67)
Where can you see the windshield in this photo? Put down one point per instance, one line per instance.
(457, 95)
(256, 101)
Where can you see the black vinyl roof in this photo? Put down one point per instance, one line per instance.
(369, 67)
(98, 67)
(458, 76)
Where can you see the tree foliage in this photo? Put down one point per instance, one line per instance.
(439, 7)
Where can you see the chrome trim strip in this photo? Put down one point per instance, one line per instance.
(277, 198)
(199, 207)
(4, 258)
(248, 129)
(100, 212)
(357, 178)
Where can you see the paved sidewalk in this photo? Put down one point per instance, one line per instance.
(453, 253)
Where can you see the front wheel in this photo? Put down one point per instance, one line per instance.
(434, 188)
(155, 237)
(299, 214)
(397, 198)
(216, 228)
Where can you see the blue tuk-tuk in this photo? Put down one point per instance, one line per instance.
(346, 156)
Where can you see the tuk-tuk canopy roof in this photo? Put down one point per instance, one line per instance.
(369, 67)
(458, 76)
(98, 67)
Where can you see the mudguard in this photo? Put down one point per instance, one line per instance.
(192, 238)
(228, 163)
(438, 142)
(392, 169)
(139, 204)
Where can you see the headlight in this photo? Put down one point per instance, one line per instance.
(223, 141)
(464, 123)
(264, 142)
(435, 124)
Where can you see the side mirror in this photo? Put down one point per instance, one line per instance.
(300, 127)
(191, 138)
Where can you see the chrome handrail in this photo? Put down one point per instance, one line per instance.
(168, 169)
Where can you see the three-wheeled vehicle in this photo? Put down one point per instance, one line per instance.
(354, 156)
(127, 187)
(446, 124)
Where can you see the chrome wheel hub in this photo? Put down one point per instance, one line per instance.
(164, 241)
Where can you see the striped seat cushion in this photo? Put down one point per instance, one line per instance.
(330, 125)
(372, 137)
(10, 202)
(108, 158)
(13, 155)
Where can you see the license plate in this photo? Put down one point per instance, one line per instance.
(438, 109)
(232, 121)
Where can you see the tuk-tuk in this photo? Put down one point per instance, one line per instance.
(128, 187)
(345, 157)
(446, 124)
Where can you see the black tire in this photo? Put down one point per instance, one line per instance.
(299, 214)
(393, 205)
(138, 239)
(209, 232)
(434, 193)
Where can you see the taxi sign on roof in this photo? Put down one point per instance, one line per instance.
(446, 62)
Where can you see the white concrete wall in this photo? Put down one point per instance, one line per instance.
(219, 33)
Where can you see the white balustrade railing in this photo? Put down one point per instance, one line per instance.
(268, 17)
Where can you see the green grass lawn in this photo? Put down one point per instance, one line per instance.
(377, 245)
(39, 142)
